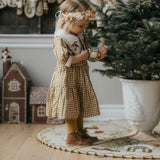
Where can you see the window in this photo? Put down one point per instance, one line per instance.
(14, 86)
(41, 111)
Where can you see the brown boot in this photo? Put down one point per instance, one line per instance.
(76, 139)
(85, 135)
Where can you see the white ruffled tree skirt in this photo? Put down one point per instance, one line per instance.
(116, 139)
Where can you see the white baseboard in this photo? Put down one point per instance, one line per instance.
(109, 112)
(26, 40)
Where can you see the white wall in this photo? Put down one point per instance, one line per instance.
(35, 53)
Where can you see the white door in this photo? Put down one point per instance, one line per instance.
(14, 112)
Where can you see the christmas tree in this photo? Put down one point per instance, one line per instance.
(131, 31)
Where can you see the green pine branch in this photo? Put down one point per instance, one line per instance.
(132, 35)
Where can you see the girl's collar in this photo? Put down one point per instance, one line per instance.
(68, 38)
(61, 33)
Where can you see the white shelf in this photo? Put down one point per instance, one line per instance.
(26, 40)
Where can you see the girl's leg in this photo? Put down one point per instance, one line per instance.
(80, 122)
(71, 125)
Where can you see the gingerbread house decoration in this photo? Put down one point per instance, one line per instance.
(15, 89)
(38, 95)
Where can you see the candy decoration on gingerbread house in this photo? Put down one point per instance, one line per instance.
(15, 89)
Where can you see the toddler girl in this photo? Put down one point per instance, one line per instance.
(71, 95)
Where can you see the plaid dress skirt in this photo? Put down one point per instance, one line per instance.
(70, 92)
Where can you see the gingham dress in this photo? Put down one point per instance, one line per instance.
(70, 92)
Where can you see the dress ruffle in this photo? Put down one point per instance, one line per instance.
(71, 92)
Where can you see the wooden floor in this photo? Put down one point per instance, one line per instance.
(18, 142)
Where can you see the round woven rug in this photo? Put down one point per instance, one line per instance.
(116, 139)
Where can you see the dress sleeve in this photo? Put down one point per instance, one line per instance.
(63, 54)
(90, 48)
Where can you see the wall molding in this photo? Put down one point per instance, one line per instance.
(109, 112)
(26, 40)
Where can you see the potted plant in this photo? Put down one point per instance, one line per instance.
(131, 31)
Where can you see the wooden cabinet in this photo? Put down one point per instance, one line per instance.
(11, 23)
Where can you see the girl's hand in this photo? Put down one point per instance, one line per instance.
(103, 51)
(84, 54)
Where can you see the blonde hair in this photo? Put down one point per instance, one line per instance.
(70, 6)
